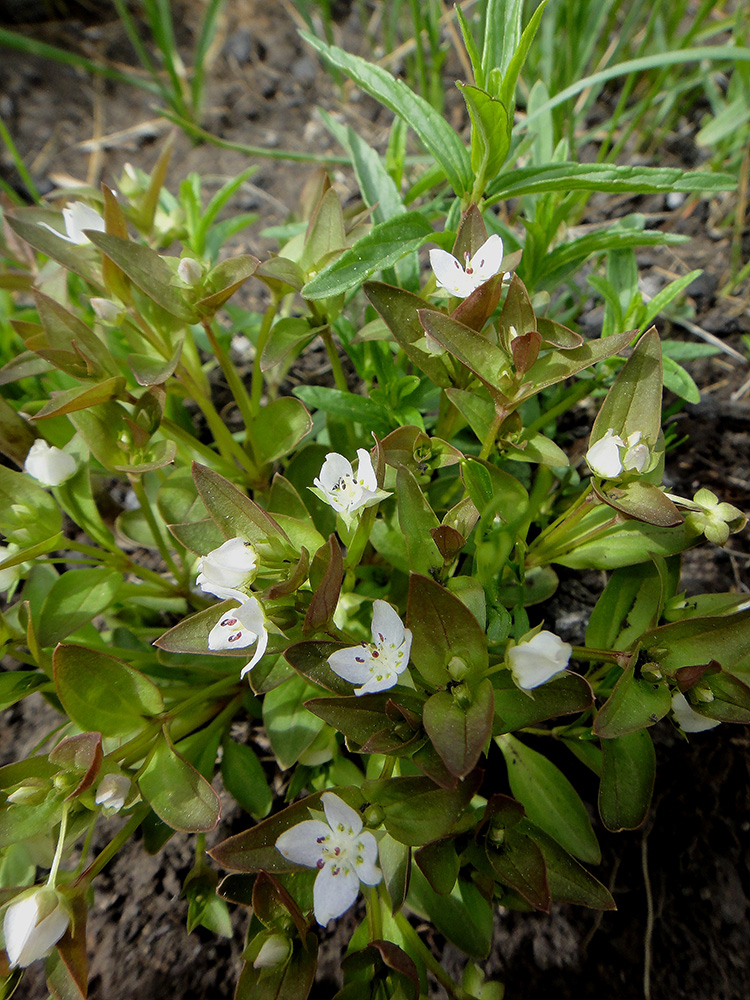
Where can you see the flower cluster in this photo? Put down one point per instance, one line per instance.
(343, 853)
(610, 456)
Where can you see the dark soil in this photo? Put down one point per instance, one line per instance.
(682, 884)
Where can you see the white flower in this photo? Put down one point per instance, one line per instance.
(233, 564)
(610, 456)
(485, 263)
(343, 854)
(189, 271)
(112, 791)
(106, 310)
(12, 574)
(688, 720)
(376, 665)
(77, 217)
(32, 925)
(536, 660)
(241, 627)
(338, 486)
(48, 465)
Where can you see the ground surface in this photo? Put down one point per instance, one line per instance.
(682, 885)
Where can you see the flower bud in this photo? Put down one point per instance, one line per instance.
(12, 574)
(189, 271)
(106, 310)
(48, 465)
(33, 923)
(112, 791)
(32, 792)
(226, 568)
(274, 951)
(536, 660)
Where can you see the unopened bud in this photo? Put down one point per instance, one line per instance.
(31, 793)
(189, 271)
(33, 923)
(106, 310)
(275, 950)
(457, 668)
(373, 816)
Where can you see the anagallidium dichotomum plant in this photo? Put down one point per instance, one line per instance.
(355, 580)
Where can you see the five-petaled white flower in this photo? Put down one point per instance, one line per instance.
(536, 660)
(343, 853)
(460, 281)
(375, 665)
(346, 493)
(77, 217)
(233, 564)
(610, 456)
(240, 627)
(48, 465)
(687, 719)
(33, 923)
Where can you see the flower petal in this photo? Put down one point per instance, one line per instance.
(258, 654)
(341, 817)
(365, 473)
(301, 843)
(387, 627)
(367, 858)
(603, 456)
(687, 719)
(334, 891)
(487, 261)
(378, 682)
(353, 663)
(449, 274)
(334, 468)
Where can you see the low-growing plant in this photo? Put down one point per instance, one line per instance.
(359, 568)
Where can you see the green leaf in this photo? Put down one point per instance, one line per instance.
(621, 544)
(290, 726)
(28, 514)
(56, 247)
(629, 771)
(634, 704)
(559, 365)
(458, 733)
(437, 136)
(641, 500)
(147, 270)
(224, 280)
(310, 659)
(287, 335)
(235, 514)
(634, 401)
(724, 638)
(245, 779)
(417, 811)
(101, 693)
(75, 598)
(519, 863)
(82, 398)
(399, 310)
(151, 370)
(464, 917)
(444, 630)
(440, 864)
(490, 133)
(292, 980)
(17, 684)
(279, 428)
(417, 519)
(550, 800)
(572, 176)
(569, 882)
(369, 721)
(516, 709)
(382, 247)
(680, 382)
(631, 602)
(347, 406)
(178, 794)
(485, 359)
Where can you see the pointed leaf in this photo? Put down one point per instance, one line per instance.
(179, 795)
(458, 733)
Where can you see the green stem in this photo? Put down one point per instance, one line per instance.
(119, 560)
(118, 841)
(52, 879)
(338, 372)
(416, 943)
(374, 914)
(145, 504)
(489, 441)
(579, 390)
(256, 385)
(235, 383)
(568, 518)
(87, 843)
(552, 553)
(224, 440)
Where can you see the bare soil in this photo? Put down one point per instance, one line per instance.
(682, 884)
